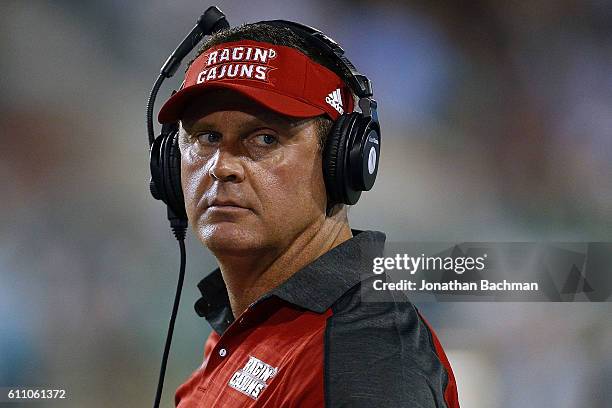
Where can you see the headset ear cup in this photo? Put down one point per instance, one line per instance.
(165, 162)
(174, 176)
(155, 185)
(171, 165)
(336, 161)
(330, 161)
(364, 154)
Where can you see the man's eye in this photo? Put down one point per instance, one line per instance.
(266, 140)
(208, 138)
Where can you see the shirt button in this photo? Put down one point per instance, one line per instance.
(222, 352)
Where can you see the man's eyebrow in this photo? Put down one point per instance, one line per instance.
(196, 124)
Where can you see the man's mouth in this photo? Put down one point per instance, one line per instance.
(226, 205)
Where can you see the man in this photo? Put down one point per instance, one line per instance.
(290, 327)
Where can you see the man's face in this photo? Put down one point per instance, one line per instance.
(252, 179)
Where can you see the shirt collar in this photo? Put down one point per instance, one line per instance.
(315, 287)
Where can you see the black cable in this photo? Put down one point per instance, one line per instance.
(150, 104)
(177, 299)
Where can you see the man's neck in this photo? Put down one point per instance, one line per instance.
(247, 278)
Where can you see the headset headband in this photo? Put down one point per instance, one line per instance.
(359, 83)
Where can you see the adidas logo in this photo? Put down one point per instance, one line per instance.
(334, 99)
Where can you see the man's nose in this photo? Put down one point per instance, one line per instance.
(226, 166)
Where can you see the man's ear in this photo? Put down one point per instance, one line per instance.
(182, 135)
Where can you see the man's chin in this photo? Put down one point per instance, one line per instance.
(229, 238)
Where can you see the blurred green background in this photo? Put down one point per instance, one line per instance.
(496, 127)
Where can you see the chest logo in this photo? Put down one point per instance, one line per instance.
(253, 377)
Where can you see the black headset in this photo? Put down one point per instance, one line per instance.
(352, 148)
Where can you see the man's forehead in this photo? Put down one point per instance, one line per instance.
(203, 107)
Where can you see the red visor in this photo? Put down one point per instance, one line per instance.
(278, 77)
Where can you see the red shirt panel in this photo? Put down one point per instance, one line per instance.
(271, 356)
